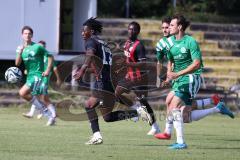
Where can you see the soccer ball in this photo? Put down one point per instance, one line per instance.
(13, 75)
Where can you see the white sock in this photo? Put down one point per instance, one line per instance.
(32, 110)
(155, 126)
(135, 106)
(169, 124)
(178, 125)
(38, 104)
(51, 108)
(201, 103)
(199, 114)
(97, 134)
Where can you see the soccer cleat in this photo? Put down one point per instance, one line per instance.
(27, 115)
(177, 146)
(153, 131)
(94, 141)
(134, 119)
(39, 116)
(163, 136)
(216, 99)
(51, 121)
(143, 112)
(224, 110)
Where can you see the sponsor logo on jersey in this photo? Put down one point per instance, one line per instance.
(183, 50)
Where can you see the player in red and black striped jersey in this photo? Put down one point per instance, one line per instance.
(137, 75)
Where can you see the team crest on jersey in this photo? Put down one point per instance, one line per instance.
(183, 50)
(32, 53)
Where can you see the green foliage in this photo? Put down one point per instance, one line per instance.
(199, 10)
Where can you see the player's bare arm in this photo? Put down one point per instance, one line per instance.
(49, 67)
(87, 63)
(191, 68)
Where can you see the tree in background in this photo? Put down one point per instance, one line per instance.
(197, 10)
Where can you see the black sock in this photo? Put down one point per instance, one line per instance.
(144, 102)
(93, 118)
(120, 115)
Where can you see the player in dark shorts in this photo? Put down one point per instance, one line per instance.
(99, 59)
(137, 75)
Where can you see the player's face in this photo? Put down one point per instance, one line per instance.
(27, 35)
(132, 32)
(174, 27)
(165, 29)
(86, 32)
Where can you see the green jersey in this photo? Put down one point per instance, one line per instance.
(183, 52)
(33, 58)
(46, 64)
(161, 48)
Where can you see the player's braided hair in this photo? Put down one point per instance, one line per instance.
(94, 25)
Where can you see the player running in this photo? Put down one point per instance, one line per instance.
(184, 69)
(44, 90)
(99, 59)
(32, 55)
(137, 75)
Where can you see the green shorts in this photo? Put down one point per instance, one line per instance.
(45, 84)
(186, 87)
(34, 82)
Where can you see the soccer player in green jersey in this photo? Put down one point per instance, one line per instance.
(161, 52)
(32, 55)
(44, 89)
(161, 48)
(184, 69)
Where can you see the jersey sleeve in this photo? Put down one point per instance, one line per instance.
(161, 48)
(159, 51)
(140, 52)
(169, 56)
(91, 45)
(45, 52)
(195, 50)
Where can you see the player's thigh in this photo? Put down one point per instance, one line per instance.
(124, 86)
(176, 103)
(24, 90)
(169, 98)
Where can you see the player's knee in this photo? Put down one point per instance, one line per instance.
(107, 118)
(21, 93)
(88, 104)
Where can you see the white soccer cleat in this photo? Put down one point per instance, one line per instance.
(94, 141)
(39, 116)
(153, 131)
(134, 119)
(142, 111)
(27, 115)
(51, 121)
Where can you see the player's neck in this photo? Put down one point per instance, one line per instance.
(26, 43)
(132, 39)
(180, 35)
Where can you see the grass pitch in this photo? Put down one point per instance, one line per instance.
(213, 138)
